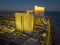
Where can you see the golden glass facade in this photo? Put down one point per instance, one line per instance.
(24, 22)
(39, 11)
(38, 21)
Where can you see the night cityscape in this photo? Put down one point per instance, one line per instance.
(29, 22)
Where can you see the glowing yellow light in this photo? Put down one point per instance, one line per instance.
(28, 23)
(44, 34)
(18, 21)
(39, 9)
(24, 22)
(12, 30)
(38, 21)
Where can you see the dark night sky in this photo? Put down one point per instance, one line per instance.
(20, 5)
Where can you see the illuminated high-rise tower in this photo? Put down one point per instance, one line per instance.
(39, 11)
(24, 22)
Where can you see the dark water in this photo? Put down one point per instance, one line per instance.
(55, 17)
